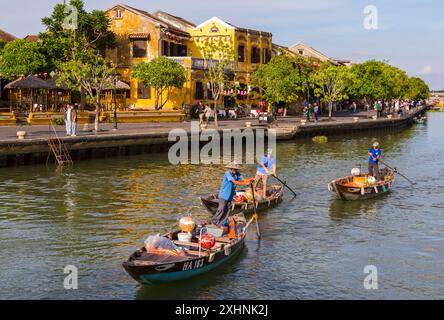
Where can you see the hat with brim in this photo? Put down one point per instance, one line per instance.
(233, 165)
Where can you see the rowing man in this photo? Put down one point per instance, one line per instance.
(266, 167)
(373, 161)
(232, 178)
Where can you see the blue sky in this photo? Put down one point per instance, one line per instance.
(410, 33)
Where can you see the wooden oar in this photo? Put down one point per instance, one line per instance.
(396, 170)
(285, 184)
(255, 216)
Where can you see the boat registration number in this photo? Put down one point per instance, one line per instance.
(193, 264)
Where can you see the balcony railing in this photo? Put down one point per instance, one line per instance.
(199, 63)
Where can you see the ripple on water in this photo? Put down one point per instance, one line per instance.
(313, 246)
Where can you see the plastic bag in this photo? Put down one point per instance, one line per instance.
(161, 245)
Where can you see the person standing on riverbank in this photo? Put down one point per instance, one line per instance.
(232, 178)
(373, 161)
(68, 124)
(73, 121)
(316, 112)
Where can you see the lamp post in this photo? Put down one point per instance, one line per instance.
(308, 92)
(116, 80)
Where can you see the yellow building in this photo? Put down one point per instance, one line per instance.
(143, 36)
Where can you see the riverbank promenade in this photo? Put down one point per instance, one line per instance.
(153, 137)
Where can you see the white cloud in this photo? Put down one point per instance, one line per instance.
(427, 70)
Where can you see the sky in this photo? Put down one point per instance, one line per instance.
(409, 33)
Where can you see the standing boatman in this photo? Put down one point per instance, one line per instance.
(266, 167)
(373, 161)
(232, 178)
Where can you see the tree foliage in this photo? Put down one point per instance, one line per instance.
(330, 83)
(218, 60)
(21, 57)
(163, 74)
(417, 89)
(284, 78)
(91, 33)
(94, 75)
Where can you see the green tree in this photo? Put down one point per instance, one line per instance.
(90, 33)
(369, 81)
(218, 60)
(417, 89)
(163, 74)
(21, 57)
(94, 75)
(330, 83)
(284, 78)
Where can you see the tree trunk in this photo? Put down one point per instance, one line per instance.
(330, 108)
(216, 121)
(96, 120)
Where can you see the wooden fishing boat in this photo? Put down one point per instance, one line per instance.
(149, 269)
(274, 196)
(357, 187)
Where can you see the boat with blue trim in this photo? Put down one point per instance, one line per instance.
(153, 268)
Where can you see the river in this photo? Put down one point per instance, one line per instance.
(94, 215)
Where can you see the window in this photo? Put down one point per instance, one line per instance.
(301, 52)
(267, 55)
(139, 48)
(199, 91)
(255, 55)
(118, 14)
(143, 91)
(171, 49)
(241, 53)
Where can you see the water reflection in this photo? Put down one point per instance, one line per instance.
(314, 246)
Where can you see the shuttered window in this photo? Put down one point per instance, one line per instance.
(139, 48)
(143, 91)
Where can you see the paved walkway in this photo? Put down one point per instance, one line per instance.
(42, 132)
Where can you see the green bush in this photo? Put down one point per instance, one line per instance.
(59, 121)
(320, 139)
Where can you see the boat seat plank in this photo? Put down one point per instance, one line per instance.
(223, 240)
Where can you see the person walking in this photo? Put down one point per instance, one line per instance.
(68, 124)
(316, 112)
(354, 106)
(207, 114)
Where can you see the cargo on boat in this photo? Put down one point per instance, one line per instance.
(362, 187)
(242, 204)
(206, 250)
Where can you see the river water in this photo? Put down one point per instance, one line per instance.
(94, 215)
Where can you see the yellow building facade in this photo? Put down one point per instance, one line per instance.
(143, 36)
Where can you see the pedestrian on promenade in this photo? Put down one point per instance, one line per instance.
(316, 112)
(200, 112)
(373, 161)
(378, 109)
(232, 178)
(73, 121)
(207, 114)
(354, 106)
(68, 126)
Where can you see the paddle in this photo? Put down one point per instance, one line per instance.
(255, 216)
(285, 184)
(396, 170)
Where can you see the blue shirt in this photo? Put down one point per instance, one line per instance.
(375, 154)
(268, 163)
(228, 188)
